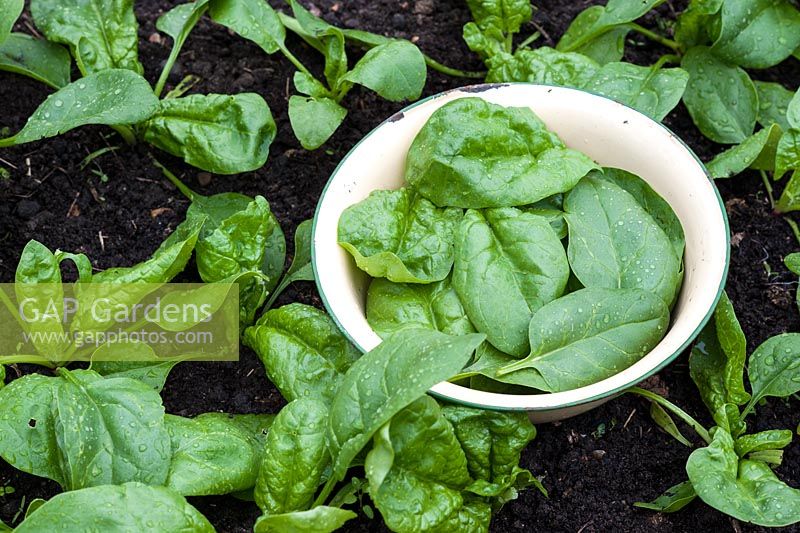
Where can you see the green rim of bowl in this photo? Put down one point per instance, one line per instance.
(480, 88)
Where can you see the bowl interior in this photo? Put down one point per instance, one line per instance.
(610, 133)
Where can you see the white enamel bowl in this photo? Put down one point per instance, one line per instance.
(613, 135)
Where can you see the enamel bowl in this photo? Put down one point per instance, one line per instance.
(613, 135)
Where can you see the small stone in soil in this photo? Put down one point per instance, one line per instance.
(27, 208)
(246, 80)
(204, 178)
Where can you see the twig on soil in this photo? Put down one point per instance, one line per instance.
(102, 240)
(584, 526)
(542, 31)
(625, 425)
(8, 163)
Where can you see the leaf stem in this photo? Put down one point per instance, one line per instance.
(296, 62)
(26, 359)
(126, 132)
(531, 38)
(768, 187)
(326, 491)
(795, 229)
(677, 411)
(186, 191)
(449, 71)
(653, 36)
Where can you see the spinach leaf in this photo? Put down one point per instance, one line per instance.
(395, 306)
(653, 91)
(303, 351)
(300, 268)
(788, 155)
(717, 360)
(720, 97)
(663, 420)
(314, 119)
(405, 464)
(82, 430)
(773, 104)
(775, 439)
(756, 151)
(327, 39)
(492, 442)
(10, 10)
(295, 458)
(320, 519)
(153, 374)
(543, 65)
(698, 24)
(210, 456)
(101, 35)
(774, 368)
(757, 33)
(488, 360)
(41, 60)
(615, 243)
(744, 489)
(112, 97)
(472, 153)
(652, 202)
(674, 498)
(252, 19)
(505, 15)
(400, 235)
(508, 264)
(488, 42)
(586, 28)
(127, 507)
(178, 22)
(395, 70)
(604, 48)
(387, 379)
(792, 262)
(592, 334)
(793, 111)
(224, 134)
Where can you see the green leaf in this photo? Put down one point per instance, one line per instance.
(488, 360)
(663, 420)
(757, 150)
(386, 380)
(127, 507)
(790, 197)
(111, 97)
(774, 439)
(210, 456)
(793, 111)
(614, 242)
(252, 19)
(505, 15)
(757, 33)
(674, 498)
(592, 334)
(300, 269)
(314, 119)
(587, 27)
(328, 39)
(699, 24)
(41, 60)
(303, 351)
(744, 489)
(792, 262)
(720, 97)
(773, 104)
(178, 22)
(508, 264)
(152, 374)
(395, 306)
(320, 519)
(224, 134)
(606, 47)
(400, 235)
(10, 10)
(82, 430)
(295, 458)
(101, 35)
(395, 70)
(649, 90)
(543, 65)
(787, 157)
(417, 457)
(774, 367)
(488, 43)
(475, 154)
(652, 202)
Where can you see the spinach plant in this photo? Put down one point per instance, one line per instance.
(224, 134)
(734, 471)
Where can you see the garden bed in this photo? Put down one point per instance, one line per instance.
(119, 208)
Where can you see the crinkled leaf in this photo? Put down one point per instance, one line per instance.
(314, 119)
(487, 43)
(787, 157)
(615, 243)
(592, 334)
(757, 151)
(757, 33)
(295, 458)
(210, 456)
(674, 499)
(744, 489)
(395, 70)
(386, 380)
(506, 15)
(773, 104)
(543, 65)
(36, 58)
(472, 153)
(320, 519)
(101, 35)
(720, 97)
(303, 351)
(774, 439)
(400, 235)
(395, 306)
(774, 367)
(654, 92)
(416, 457)
(111, 97)
(252, 19)
(224, 134)
(508, 264)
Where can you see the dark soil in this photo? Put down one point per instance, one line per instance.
(119, 208)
